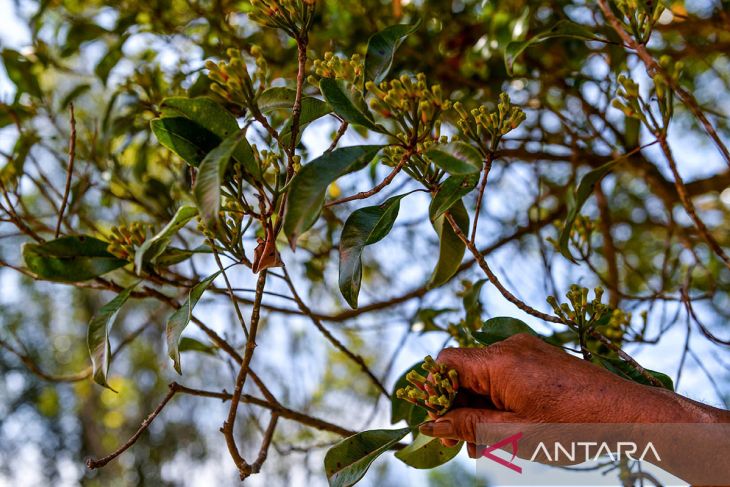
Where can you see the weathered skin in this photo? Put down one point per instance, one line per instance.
(525, 380)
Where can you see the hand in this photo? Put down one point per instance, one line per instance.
(525, 380)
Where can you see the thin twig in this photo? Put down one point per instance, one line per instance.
(97, 463)
(264, 449)
(376, 189)
(480, 194)
(69, 173)
(340, 132)
(331, 338)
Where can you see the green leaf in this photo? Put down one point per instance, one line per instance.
(277, 98)
(347, 103)
(427, 452)
(624, 369)
(97, 336)
(70, 259)
(381, 50)
(451, 191)
(563, 28)
(401, 409)
(309, 186)
(451, 248)
(577, 200)
(73, 94)
(181, 317)
(208, 125)
(456, 158)
(202, 110)
(188, 344)
(364, 226)
(497, 329)
(185, 138)
(153, 247)
(20, 72)
(207, 189)
(347, 461)
(473, 305)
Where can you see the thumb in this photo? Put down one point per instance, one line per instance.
(480, 426)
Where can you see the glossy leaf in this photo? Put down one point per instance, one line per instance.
(364, 226)
(577, 200)
(202, 110)
(563, 28)
(497, 329)
(451, 248)
(456, 158)
(347, 103)
(70, 259)
(185, 138)
(153, 247)
(627, 371)
(312, 109)
(401, 409)
(347, 461)
(181, 317)
(309, 186)
(207, 189)
(450, 192)
(382, 47)
(276, 98)
(427, 452)
(97, 337)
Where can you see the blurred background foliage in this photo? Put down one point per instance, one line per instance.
(116, 61)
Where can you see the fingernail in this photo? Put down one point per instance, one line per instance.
(440, 427)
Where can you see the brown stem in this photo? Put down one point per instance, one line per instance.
(244, 468)
(331, 338)
(376, 189)
(653, 68)
(69, 174)
(480, 195)
(92, 463)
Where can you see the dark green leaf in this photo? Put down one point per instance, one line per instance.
(427, 452)
(181, 317)
(204, 111)
(70, 259)
(473, 305)
(364, 226)
(20, 72)
(563, 28)
(185, 138)
(347, 461)
(403, 410)
(188, 344)
(451, 247)
(498, 329)
(381, 50)
(309, 186)
(347, 103)
(577, 200)
(207, 189)
(456, 158)
(451, 191)
(312, 109)
(627, 371)
(97, 337)
(153, 247)
(277, 98)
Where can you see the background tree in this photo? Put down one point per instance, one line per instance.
(596, 154)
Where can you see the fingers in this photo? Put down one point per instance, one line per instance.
(472, 365)
(480, 426)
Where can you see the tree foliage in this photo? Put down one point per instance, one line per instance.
(288, 196)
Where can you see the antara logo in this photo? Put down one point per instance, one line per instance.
(571, 452)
